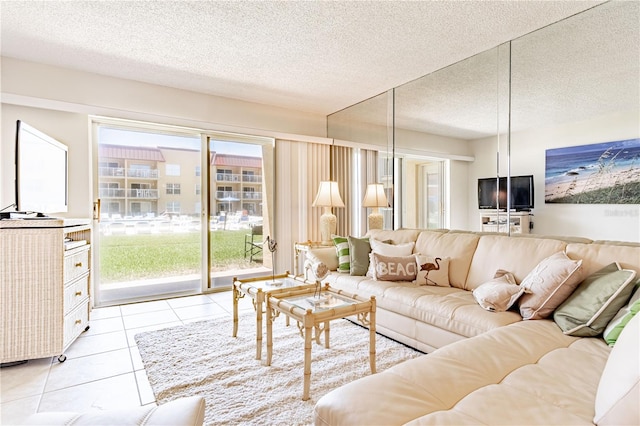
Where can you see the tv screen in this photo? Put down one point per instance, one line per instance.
(41, 171)
(492, 193)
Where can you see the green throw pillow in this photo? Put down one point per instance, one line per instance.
(622, 318)
(595, 302)
(359, 249)
(342, 249)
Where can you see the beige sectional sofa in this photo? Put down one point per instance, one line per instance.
(487, 367)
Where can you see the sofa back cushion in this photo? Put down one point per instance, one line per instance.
(458, 247)
(513, 254)
(398, 236)
(619, 388)
(596, 256)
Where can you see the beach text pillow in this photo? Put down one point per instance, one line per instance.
(387, 249)
(390, 268)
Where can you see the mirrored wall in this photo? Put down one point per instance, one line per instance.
(496, 114)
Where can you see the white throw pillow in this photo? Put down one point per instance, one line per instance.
(499, 294)
(438, 277)
(548, 285)
(619, 388)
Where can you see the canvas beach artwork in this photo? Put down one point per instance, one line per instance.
(601, 173)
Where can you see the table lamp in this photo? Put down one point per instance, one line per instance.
(328, 197)
(375, 198)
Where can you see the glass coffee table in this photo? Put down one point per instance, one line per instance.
(258, 288)
(313, 309)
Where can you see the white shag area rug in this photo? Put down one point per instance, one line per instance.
(202, 358)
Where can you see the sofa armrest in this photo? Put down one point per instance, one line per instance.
(184, 411)
(326, 255)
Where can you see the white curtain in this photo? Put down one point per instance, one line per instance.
(342, 171)
(300, 166)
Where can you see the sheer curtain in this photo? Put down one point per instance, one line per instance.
(342, 171)
(300, 166)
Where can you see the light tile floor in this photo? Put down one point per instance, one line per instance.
(103, 369)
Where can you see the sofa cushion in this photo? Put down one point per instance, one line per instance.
(622, 318)
(597, 256)
(467, 383)
(394, 268)
(458, 247)
(548, 285)
(514, 254)
(618, 392)
(359, 249)
(596, 301)
(439, 276)
(446, 308)
(397, 236)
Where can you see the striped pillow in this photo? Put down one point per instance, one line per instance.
(342, 249)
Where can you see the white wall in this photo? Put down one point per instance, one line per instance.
(59, 101)
(595, 221)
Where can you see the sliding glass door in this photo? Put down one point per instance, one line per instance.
(148, 242)
(154, 185)
(240, 182)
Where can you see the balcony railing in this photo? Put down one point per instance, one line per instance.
(228, 195)
(246, 195)
(143, 173)
(228, 177)
(111, 171)
(135, 173)
(252, 178)
(150, 194)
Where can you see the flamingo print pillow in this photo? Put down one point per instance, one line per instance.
(433, 270)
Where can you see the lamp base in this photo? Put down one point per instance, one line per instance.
(376, 221)
(328, 224)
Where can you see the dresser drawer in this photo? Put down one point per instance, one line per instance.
(75, 322)
(76, 292)
(76, 264)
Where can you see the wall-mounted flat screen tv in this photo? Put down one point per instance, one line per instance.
(492, 193)
(41, 172)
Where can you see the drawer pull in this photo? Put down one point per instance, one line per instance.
(78, 321)
(79, 265)
(78, 293)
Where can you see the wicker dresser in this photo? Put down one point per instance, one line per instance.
(44, 286)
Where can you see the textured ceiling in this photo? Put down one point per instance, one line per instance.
(577, 69)
(314, 56)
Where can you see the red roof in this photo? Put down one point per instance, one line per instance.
(221, 160)
(130, 153)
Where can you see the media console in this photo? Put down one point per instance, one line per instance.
(519, 222)
(44, 286)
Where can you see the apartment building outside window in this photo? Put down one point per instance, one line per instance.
(172, 169)
(173, 189)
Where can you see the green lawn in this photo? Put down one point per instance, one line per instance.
(133, 257)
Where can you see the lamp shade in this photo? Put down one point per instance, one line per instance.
(328, 195)
(375, 197)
